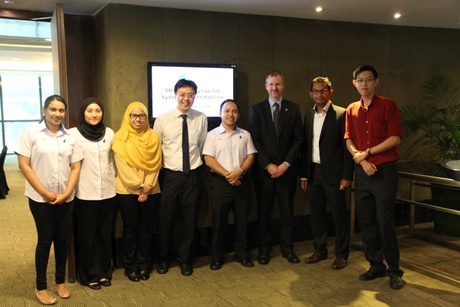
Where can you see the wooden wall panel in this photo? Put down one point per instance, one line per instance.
(81, 65)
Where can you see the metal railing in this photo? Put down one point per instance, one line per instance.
(426, 181)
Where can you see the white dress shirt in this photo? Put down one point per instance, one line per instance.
(318, 122)
(97, 174)
(50, 158)
(229, 149)
(169, 128)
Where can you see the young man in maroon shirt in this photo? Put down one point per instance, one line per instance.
(372, 133)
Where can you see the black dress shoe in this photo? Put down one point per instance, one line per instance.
(216, 265)
(263, 259)
(163, 267)
(186, 269)
(244, 262)
(396, 282)
(291, 257)
(94, 285)
(144, 274)
(133, 276)
(105, 282)
(370, 275)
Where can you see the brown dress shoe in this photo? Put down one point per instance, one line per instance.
(316, 257)
(339, 263)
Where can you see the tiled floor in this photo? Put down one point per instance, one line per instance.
(277, 284)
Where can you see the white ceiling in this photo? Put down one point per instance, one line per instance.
(419, 13)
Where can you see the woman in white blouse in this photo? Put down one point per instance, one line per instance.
(50, 159)
(95, 196)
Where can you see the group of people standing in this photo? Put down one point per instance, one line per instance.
(96, 170)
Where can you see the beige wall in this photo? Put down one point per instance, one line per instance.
(127, 37)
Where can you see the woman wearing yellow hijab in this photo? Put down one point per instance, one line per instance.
(138, 156)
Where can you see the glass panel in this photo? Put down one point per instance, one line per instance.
(47, 87)
(13, 132)
(24, 28)
(21, 96)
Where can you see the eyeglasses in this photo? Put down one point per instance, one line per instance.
(367, 80)
(184, 95)
(321, 91)
(136, 116)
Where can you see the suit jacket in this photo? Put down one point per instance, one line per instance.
(336, 161)
(270, 149)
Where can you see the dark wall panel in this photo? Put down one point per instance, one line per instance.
(447, 49)
(339, 45)
(81, 63)
(224, 44)
(255, 59)
(186, 36)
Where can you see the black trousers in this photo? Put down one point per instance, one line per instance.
(283, 189)
(95, 230)
(375, 203)
(226, 198)
(320, 194)
(53, 224)
(180, 199)
(137, 231)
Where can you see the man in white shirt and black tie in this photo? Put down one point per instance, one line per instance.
(181, 186)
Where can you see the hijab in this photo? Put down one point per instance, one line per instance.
(91, 132)
(140, 149)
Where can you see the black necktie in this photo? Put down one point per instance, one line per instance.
(185, 147)
(276, 119)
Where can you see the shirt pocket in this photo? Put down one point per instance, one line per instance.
(379, 131)
(193, 137)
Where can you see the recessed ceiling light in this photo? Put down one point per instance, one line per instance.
(8, 1)
(318, 9)
(397, 15)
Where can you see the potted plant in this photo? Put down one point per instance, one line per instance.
(432, 134)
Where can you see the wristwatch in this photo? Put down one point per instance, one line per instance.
(368, 151)
(141, 187)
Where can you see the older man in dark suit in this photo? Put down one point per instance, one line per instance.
(276, 129)
(327, 171)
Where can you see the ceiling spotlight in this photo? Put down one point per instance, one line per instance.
(397, 15)
(318, 9)
(8, 1)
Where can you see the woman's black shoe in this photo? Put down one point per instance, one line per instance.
(144, 274)
(105, 282)
(133, 276)
(94, 286)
